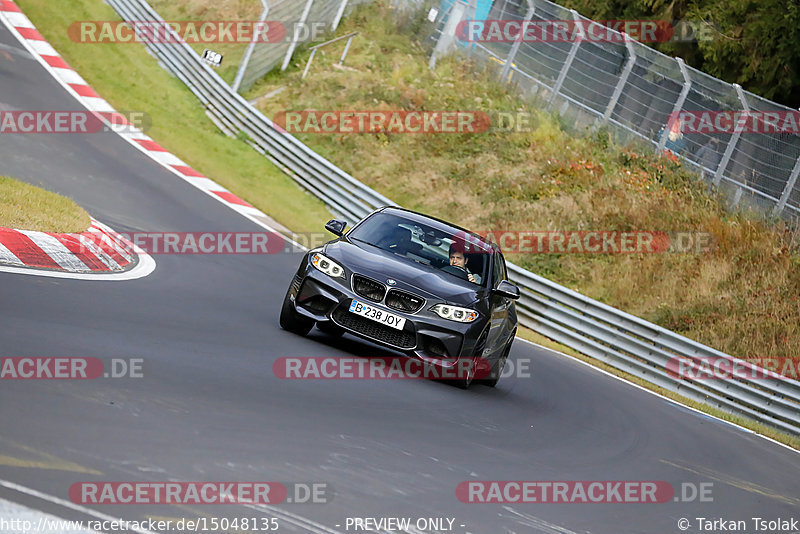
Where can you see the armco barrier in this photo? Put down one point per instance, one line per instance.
(620, 340)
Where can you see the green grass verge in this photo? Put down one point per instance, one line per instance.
(130, 79)
(27, 207)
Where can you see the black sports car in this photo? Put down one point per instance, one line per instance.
(413, 283)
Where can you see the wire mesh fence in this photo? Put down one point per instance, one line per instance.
(638, 92)
(304, 20)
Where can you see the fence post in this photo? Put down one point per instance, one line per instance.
(296, 36)
(515, 47)
(339, 15)
(737, 133)
(445, 41)
(250, 47)
(788, 189)
(623, 79)
(568, 63)
(687, 84)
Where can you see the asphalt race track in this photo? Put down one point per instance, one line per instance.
(210, 408)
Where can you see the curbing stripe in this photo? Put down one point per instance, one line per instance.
(84, 90)
(6, 256)
(9, 7)
(98, 252)
(26, 250)
(73, 244)
(233, 199)
(56, 62)
(56, 250)
(97, 249)
(30, 33)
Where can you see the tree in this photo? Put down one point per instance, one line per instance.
(755, 43)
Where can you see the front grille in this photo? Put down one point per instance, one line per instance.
(376, 331)
(367, 288)
(403, 301)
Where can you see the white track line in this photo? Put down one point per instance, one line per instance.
(66, 504)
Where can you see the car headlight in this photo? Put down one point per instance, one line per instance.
(327, 265)
(454, 313)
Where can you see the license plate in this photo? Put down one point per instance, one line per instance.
(378, 315)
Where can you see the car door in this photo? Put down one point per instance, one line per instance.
(499, 307)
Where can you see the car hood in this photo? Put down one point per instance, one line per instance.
(382, 265)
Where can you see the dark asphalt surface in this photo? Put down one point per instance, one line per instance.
(210, 408)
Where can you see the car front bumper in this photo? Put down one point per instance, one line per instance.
(425, 335)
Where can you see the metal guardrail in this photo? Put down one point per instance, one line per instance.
(616, 338)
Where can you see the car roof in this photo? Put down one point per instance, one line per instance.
(432, 221)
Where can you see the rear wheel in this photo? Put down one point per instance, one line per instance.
(293, 321)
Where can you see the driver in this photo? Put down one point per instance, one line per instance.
(459, 259)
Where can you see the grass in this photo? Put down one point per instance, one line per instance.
(219, 10)
(128, 77)
(741, 297)
(27, 207)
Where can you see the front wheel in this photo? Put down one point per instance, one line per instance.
(497, 368)
(466, 373)
(293, 321)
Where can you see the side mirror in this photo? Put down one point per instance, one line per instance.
(336, 227)
(507, 289)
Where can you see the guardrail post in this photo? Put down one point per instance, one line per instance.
(788, 189)
(339, 15)
(250, 47)
(737, 133)
(568, 63)
(295, 36)
(446, 39)
(515, 47)
(623, 79)
(687, 84)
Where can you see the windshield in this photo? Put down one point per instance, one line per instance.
(460, 254)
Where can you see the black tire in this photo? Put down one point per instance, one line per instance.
(292, 321)
(497, 367)
(331, 329)
(464, 382)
